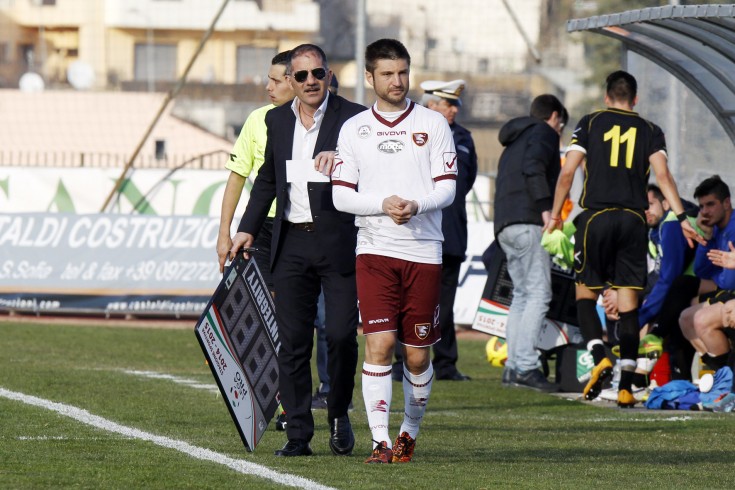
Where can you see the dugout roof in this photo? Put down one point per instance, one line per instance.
(696, 43)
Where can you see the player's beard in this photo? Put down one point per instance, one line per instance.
(395, 96)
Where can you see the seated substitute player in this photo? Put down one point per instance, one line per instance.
(717, 221)
(714, 323)
(395, 170)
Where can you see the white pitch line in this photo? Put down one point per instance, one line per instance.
(239, 465)
(170, 377)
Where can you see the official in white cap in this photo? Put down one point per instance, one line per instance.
(444, 97)
(448, 91)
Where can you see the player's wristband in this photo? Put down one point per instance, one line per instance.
(681, 216)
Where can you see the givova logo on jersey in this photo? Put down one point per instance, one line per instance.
(391, 146)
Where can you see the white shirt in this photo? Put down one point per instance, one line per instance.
(410, 154)
(298, 208)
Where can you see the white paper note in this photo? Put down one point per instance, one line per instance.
(303, 171)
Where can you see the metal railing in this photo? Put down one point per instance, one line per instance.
(79, 159)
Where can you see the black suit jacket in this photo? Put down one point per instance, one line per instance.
(335, 230)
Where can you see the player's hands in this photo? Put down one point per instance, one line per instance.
(610, 303)
(239, 241)
(399, 210)
(722, 258)
(691, 234)
(224, 244)
(703, 224)
(324, 162)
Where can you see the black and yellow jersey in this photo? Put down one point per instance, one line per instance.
(618, 145)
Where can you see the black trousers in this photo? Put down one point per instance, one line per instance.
(263, 253)
(301, 271)
(683, 289)
(445, 351)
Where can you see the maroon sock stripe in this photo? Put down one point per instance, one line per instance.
(377, 375)
(421, 385)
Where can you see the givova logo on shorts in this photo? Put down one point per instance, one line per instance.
(390, 146)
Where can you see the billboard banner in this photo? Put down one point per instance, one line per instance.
(155, 252)
(107, 262)
(559, 327)
(239, 337)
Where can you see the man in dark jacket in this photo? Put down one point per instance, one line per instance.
(524, 191)
(312, 248)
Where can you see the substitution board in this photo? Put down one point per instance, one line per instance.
(239, 337)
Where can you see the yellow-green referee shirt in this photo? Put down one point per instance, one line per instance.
(248, 153)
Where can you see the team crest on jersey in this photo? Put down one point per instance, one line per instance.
(450, 162)
(364, 131)
(420, 138)
(390, 146)
(422, 330)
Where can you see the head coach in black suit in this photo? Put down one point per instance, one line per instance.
(313, 247)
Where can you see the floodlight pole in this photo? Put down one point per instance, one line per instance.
(360, 54)
(531, 48)
(169, 97)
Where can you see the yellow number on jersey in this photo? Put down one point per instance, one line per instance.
(628, 138)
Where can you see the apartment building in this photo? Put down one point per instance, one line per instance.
(147, 41)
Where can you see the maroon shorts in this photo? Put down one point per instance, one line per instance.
(400, 296)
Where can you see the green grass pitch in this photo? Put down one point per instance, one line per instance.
(475, 435)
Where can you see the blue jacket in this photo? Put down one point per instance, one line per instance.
(673, 258)
(705, 269)
(454, 216)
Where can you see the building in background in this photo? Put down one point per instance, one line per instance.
(139, 43)
(508, 51)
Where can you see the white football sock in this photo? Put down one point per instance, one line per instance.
(416, 391)
(377, 390)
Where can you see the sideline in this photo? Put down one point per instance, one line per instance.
(239, 465)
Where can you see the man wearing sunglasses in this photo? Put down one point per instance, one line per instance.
(313, 248)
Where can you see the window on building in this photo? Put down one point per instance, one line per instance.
(253, 62)
(26, 56)
(48, 2)
(159, 66)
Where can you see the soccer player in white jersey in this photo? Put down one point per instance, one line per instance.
(395, 170)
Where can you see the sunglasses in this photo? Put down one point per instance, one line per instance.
(301, 76)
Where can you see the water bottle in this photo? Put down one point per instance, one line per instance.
(724, 403)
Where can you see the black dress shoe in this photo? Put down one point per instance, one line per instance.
(296, 447)
(341, 439)
(454, 376)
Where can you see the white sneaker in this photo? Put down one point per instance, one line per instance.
(611, 394)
